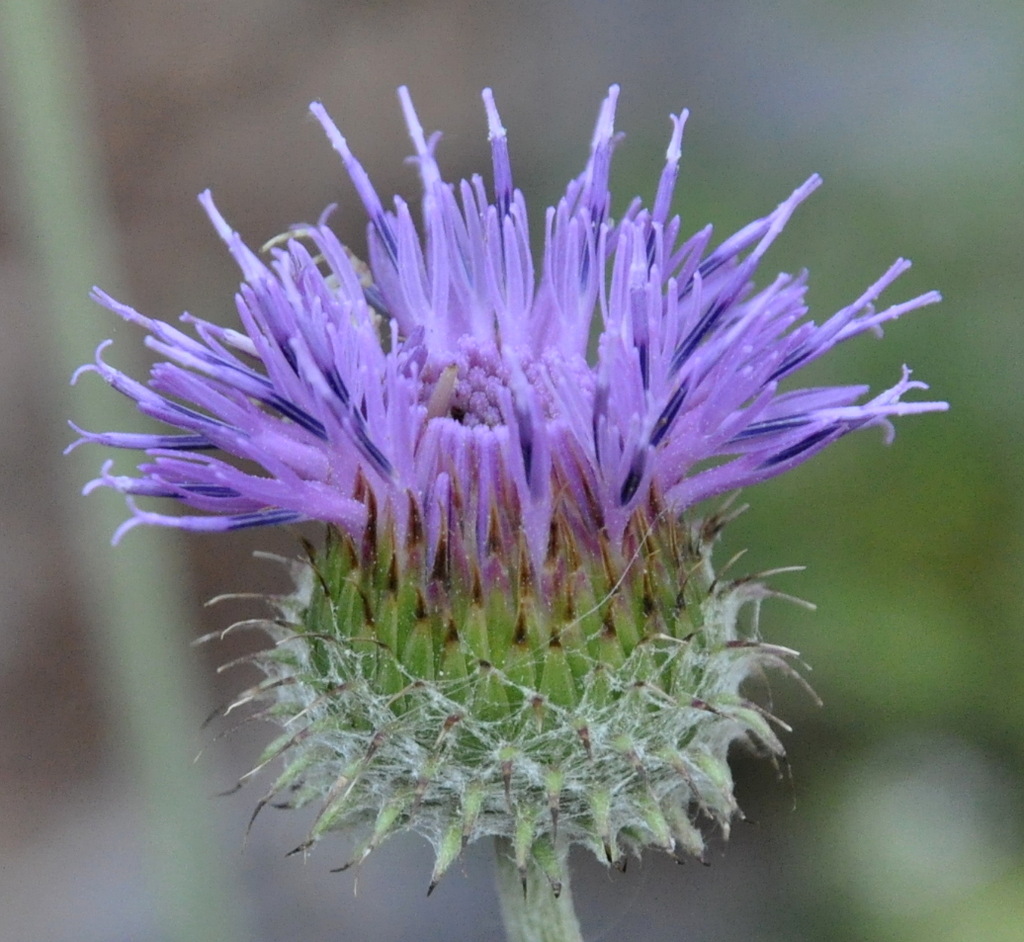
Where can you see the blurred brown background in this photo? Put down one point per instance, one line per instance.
(903, 818)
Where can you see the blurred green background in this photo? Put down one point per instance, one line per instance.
(901, 817)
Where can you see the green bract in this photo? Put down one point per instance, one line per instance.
(601, 718)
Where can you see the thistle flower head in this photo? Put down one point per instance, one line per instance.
(510, 629)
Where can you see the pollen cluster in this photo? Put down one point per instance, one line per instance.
(468, 389)
(602, 716)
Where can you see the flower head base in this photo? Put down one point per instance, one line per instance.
(510, 630)
(601, 717)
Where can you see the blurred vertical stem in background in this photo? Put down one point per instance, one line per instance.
(132, 596)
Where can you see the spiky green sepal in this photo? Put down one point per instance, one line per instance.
(599, 715)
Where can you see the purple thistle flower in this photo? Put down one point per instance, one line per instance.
(511, 629)
(445, 390)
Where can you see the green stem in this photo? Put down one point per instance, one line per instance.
(536, 915)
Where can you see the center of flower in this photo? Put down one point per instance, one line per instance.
(469, 387)
(471, 384)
